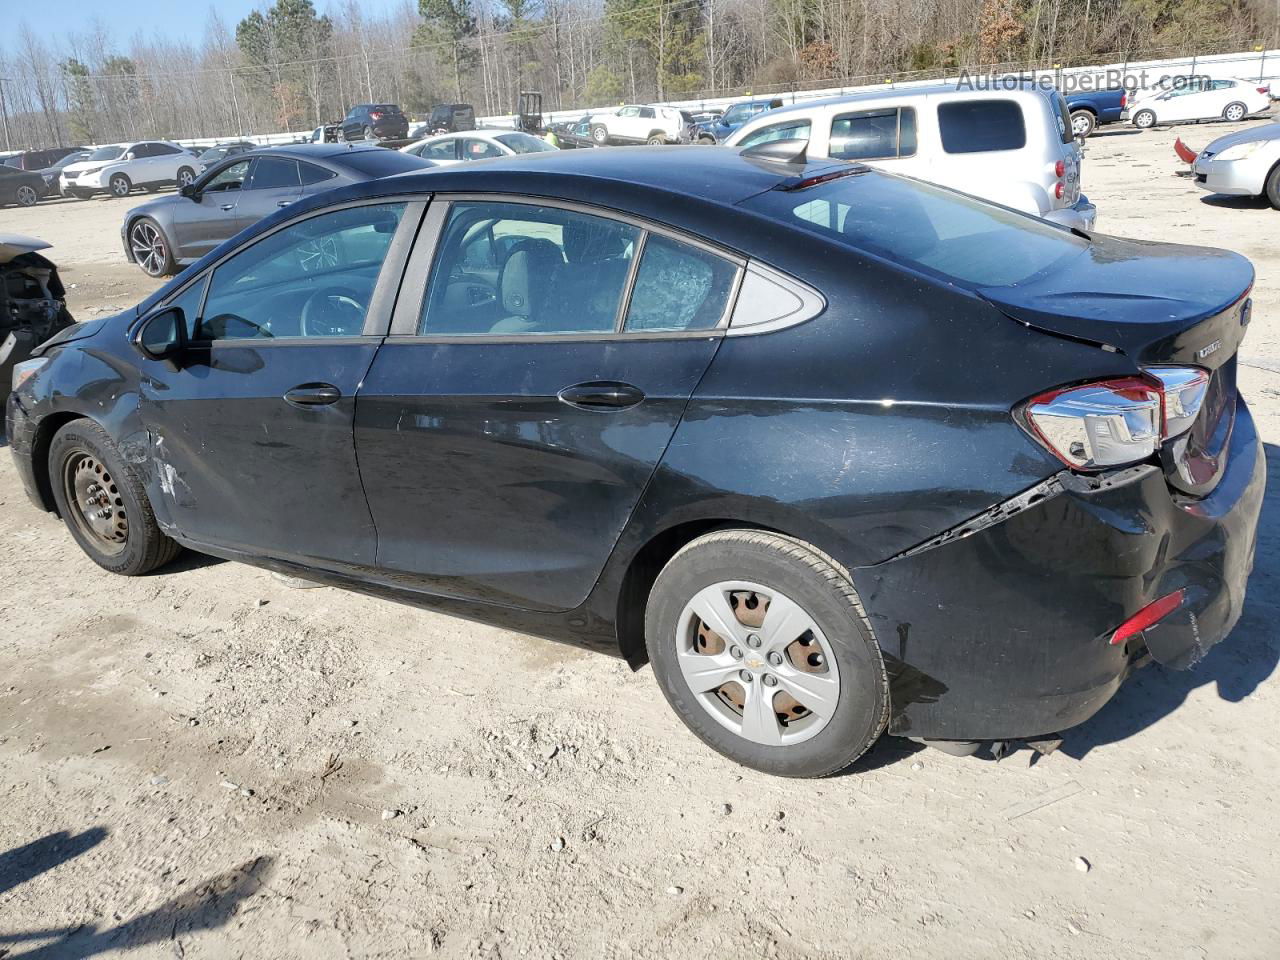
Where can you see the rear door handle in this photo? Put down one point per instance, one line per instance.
(313, 395)
(227, 206)
(283, 203)
(602, 395)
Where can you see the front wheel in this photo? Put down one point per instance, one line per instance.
(1272, 188)
(150, 248)
(103, 503)
(1144, 120)
(186, 177)
(656, 140)
(368, 133)
(1234, 112)
(119, 185)
(599, 135)
(1082, 123)
(760, 645)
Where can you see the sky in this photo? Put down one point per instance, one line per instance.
(174, 19)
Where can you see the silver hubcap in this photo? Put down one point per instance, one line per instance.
(757, 663)
(26, 196)
(100, 512)
(1145, 120)
(1234, 113)
(148, 248)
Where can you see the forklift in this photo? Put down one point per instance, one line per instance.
(529, 113)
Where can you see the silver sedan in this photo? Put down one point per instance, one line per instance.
(1244, 164)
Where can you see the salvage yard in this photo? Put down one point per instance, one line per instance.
(211, 763)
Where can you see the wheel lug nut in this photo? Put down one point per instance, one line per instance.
(753, 641)
(775, 658)
(770, 680)
(744, 676)
(735, 652)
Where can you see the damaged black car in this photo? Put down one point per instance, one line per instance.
(32, 302)
(838, 452)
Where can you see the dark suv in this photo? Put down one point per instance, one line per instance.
(451, 118)
(375, 121)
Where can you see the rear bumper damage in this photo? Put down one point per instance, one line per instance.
(1002, 628)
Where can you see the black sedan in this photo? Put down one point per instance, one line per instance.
(171, 231)
(835, 450)
(23, 187)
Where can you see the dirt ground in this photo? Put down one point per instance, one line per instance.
(206, 763)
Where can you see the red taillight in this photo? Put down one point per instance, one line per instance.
(1124, 100)
(1148, 616)
(1266, 90)
(375, 114)
(1059, 190)
(1113, 423)
(1059, 169)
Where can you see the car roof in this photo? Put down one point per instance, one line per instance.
(314, 151)
(956, 90)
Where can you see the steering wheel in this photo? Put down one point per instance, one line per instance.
(333, 312)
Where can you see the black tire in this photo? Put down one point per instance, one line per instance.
(707, 141)
(150, 248)
(142, 547)
(368, 133)
(119, 185)
(26, 195)
(1083, 123)
(1144, 119)
(656, 139)
(1235, 112)
(185, 177)
(599, 134)
(824, 592)
(1272, 189)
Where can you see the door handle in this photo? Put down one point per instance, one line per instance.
(602, 395)
(313, 395)
(283, 203)
(227, 206)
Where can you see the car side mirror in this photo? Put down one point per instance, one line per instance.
(130, 156)
(162, 336)
(191, 192)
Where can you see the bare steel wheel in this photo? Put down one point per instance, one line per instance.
(149, 248)
(760, 645)
(757, 662)
(99, 505)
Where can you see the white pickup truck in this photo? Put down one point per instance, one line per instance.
(637, 124)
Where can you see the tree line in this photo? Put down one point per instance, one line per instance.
(289, 66)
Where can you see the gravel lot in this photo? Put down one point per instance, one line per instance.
(207, 763)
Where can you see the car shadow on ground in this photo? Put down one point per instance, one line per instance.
(1236, 667)
(206, 905)
(1235, 203)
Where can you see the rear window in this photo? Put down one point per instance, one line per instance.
(945, 233)
(381, 162)
(385, 108)
(978, 126)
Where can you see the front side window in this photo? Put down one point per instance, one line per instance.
(788, 130)
(629, 112)
(231, 177)
(679, 287)
(441, 150)
(737, 113)
(509, 268)
(523, 143)
(314, 278)
(874, 134)
(189, 302)
(978, 126)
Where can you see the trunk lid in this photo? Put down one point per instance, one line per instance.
(1159, 304)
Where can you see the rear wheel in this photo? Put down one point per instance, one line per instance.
(656, 139)
(1144, 120)
(759, 644)
(1082, 123)
(1234, 112)
(103, 502)
(119, 185)
(599, 135)
(368, 133)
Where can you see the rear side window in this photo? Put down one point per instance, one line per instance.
(313, 174)
(679, 287)
(789, 130)
(274, 172)
(874, 134)
(978, 126)
(380, 162)
(1062, 116)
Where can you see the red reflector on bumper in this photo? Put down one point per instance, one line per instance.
(1150, 614)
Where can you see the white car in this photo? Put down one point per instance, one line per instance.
(120, 168)
(1243, 164)
(1185, 99)
(450, 148)
(1011, 146)
(638, 124)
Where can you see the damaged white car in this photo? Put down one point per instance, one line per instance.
(32, 302)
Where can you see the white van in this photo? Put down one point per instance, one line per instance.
(1012, 146)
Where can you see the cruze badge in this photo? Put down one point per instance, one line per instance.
(1208, 349)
